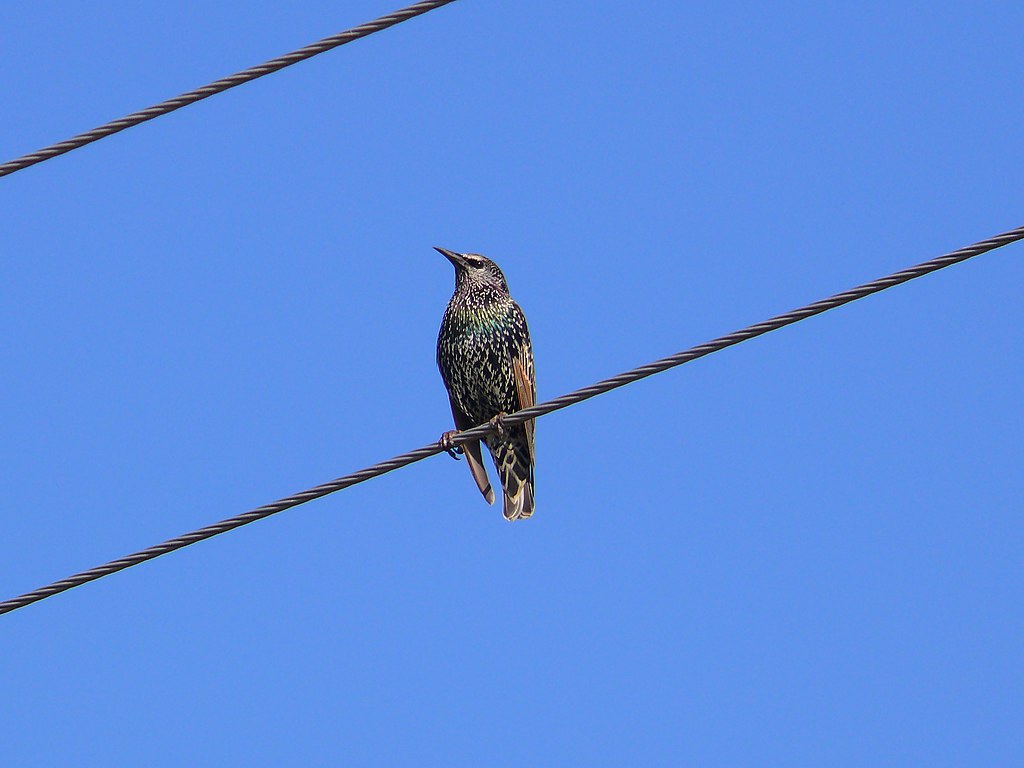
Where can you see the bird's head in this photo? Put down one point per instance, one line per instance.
(472, 270)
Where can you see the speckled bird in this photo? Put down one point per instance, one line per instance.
(486, 361)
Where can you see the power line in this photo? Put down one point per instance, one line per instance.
(779, 321)
(164, 107)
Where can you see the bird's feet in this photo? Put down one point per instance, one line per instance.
(449, 447)
(498, 424)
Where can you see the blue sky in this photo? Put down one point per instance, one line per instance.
(803, 550)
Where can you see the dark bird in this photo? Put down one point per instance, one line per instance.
(486, 361)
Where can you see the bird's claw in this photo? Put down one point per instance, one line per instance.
(498, 424)
(449, 447)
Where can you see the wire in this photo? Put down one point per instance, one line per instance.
(218, 86)
(779, 321)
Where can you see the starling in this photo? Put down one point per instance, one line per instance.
(486, 361)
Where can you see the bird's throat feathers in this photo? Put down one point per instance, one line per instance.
(480, 310)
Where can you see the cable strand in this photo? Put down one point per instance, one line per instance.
(577, 396)
(218, 86)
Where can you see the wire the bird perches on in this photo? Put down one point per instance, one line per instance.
(218, 86)
(693, 353)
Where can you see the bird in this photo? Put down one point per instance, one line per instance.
(486, 362)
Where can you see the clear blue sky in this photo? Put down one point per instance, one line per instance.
(803, 550)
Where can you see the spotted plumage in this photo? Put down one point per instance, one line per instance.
(486, 361)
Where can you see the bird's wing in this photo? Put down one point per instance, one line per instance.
(474, 458)
(526, 388)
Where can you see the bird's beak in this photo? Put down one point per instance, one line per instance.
(452, 256)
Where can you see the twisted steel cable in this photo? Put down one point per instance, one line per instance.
(164, 107)
(779, 321)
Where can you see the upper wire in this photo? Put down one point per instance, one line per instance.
(579, 395)
(191, 97)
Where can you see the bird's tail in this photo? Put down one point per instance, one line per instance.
(514, 461)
